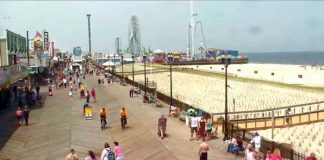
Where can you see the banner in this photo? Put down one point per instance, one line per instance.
(46, 44)
(38, 44)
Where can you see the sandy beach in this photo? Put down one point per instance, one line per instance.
(288, 74)
(251, 91)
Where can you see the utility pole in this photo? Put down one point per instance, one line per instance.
(89, 32)
(27, 50)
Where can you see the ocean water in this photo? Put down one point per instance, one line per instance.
(298, 58)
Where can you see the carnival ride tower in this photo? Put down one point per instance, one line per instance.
(192, 35)
(134, 37)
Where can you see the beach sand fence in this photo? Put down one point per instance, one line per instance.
(163, 97)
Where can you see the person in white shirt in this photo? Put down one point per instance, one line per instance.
(64, 82)
(288, 114)
(107, 153)
(257, 141)
(193, 123)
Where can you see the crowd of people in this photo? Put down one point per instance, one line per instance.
(108, 153)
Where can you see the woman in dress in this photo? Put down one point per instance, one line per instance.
(202, 126)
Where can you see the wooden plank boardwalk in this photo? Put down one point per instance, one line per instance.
(60, 126)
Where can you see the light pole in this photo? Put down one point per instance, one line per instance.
(114, 71)
(133, 67)
(170, 60)
(226, 62)
(122, 56)
(144, 58)
(28, 64)
(89, 33)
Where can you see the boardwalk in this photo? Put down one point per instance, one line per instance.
(59, 126)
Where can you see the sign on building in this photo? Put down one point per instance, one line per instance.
(46, 43)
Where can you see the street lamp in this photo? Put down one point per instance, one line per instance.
(114, 65)
(144, 58)
(170, 61)
(122, 56)
(226, 62)
(133, 67)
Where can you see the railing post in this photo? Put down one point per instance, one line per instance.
(232, 129)
(243, 136)
(245, 122)
(310, 109)
(317, 112)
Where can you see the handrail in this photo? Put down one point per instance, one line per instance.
(273, 109)
(269, 117)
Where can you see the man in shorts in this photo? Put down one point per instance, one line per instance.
(203, 149)
(193, 123)
(162, 126)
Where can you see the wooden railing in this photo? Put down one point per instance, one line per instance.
(266, 144)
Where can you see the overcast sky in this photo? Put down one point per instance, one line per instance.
(247, 26)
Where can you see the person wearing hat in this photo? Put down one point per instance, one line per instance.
(26, 115)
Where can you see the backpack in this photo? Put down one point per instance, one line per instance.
(110, 155)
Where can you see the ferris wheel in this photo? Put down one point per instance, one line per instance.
(134, 37)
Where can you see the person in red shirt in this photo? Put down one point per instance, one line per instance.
(276, 155)
(93, 94)
(311, 157)
(162, 126)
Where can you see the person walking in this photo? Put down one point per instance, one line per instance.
(107, 153)
(19, 115)
(37, 90)
(118, 152)
(64, 82)
(193, 123)
(88, 96)
(26, 115)
(91, 156)
(72, 155)
(162, 126)
(71, 93)
(203, 149)
(99, 81)
(103, 81)
(131, 91)
(93, 94)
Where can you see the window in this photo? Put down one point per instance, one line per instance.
(239, 70)
(256, 72)
(211, 67)
(272, 74)
(300, 76)
(222, 68)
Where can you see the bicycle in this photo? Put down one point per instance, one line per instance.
(103, 123)
(123, 121)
